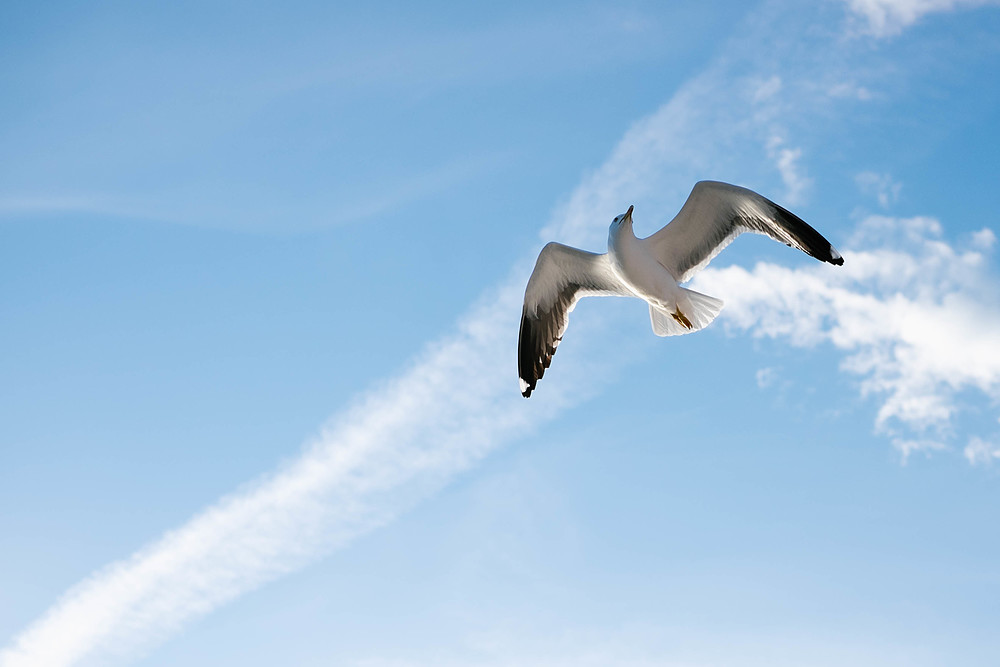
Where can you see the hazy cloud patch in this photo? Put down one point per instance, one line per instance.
(788, 162)
(885, 18)
(881, 186)
(982, 452)
(915, 316)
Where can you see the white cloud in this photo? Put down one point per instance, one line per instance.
(916, 317)
(908, 447)
(787, 161)
(981, 452)
(885, 190)
(984, 238)
(767, 88)
(766, 377)
(657, 643)
(884, 18)
(850, 90)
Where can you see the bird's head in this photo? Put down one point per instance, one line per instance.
(623, 219)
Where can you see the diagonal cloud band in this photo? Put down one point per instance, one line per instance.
(376, 459)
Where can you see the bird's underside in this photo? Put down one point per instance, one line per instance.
(713, 215)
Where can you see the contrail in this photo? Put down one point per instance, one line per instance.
(394, 446)
(405, 439)
(379, 457)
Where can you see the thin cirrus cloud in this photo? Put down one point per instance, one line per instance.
(378, 458)
(982, 452)
(788, 160)
(885, 18)
(336, 208)
(885, 189)
(390, 449)
(375, 460)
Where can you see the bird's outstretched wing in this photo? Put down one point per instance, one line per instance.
(715, 214)
(561, 277)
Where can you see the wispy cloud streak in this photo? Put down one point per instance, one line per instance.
(401, 442)
(885, 18)
(389, 450)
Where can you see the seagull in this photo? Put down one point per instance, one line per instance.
(651, 268)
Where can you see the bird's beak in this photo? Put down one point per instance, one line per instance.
(628, 213)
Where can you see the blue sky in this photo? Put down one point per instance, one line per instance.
(260, 273)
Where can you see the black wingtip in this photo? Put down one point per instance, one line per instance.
(527, 372)
(810, 240)
(835, 257)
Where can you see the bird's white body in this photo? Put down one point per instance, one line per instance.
(639, 270)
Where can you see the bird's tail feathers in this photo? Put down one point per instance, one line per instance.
(699, 314)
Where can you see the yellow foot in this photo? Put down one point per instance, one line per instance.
(682, 320)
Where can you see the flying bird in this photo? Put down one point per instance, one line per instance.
(651, 268)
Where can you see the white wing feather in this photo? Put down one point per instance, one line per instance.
(562, 276)
(715, 214)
